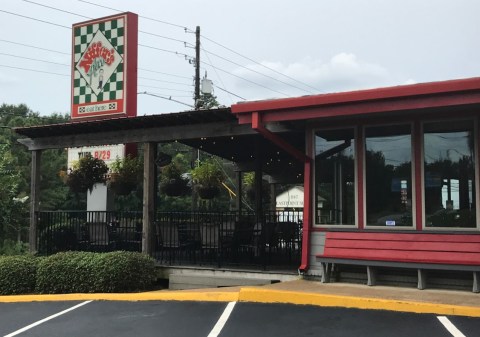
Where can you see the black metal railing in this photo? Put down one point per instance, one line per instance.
(181, 238)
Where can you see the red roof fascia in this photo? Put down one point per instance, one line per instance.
(380, 96)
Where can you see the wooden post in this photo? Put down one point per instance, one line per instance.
(148, 230)
(258, 181)
(34, 200)
(239, 193)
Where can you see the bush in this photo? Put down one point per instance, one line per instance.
(17, 274)
(73, 272)
(11, 247)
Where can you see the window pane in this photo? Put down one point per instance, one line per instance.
(334, 177)
(388, 158)
(449, 174)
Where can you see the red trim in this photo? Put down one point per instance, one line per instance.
(258, 126)
(307, 207)
(405, 91)
(131, 73)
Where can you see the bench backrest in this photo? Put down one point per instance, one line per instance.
(460, 249)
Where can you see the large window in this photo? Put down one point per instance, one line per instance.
(449, 174)
(335, 177)
(388, 158)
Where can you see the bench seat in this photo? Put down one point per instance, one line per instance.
(422, 251)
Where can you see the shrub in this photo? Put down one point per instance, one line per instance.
(17, 274)
(124, 271)
(72, 272)
(68, 272)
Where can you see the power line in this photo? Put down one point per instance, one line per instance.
(168, 74)
(247, 80)
(144, 17)
(155, 87)
(257, 72)
(164, 97)
(34, 19)
(260, 64)
(154, 79)
(165, 50)
(35, 47)
(57, 9)
(219, 77)
(34, 70)
(231, 93)
(38, 60)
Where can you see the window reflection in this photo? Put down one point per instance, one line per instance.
(449, 174)
(334, 177)
(388, 174)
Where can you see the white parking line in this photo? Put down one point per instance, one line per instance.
(450, 327)
(28, 327)
(222, 320)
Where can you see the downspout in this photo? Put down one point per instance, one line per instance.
(307, 161)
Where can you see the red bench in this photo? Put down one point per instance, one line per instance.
(423, 251)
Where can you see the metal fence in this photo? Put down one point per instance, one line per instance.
(181, 238)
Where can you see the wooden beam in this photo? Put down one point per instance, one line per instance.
(148, 230)
(34, 200)
(138, 135)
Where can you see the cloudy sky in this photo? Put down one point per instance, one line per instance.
(250, 49)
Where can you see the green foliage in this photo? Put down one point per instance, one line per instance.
(87, 272)
(86, 173)
(125, 175)
(208, 101)
(15, 171)
(68, 272)
(208, 174)
(172, 179)
(17, 274)
(10, 247)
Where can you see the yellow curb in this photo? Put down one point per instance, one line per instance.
(292, 297)
(211, 296)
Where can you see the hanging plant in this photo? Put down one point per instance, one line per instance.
(173, 181)
(85, 173)
(208, 177)
(125, 175)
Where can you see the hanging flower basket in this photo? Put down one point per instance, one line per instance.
(208, 192)
(87, 172)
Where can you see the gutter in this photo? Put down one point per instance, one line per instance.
(258, 126)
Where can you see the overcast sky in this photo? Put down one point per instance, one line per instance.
(320, 46)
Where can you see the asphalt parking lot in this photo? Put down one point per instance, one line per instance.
(210, 319)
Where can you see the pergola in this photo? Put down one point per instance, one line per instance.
(215, 131)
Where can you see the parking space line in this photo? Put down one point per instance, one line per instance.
(28, 327)
(222, 320)
(450, 327)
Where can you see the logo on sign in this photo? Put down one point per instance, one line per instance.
(99, 62)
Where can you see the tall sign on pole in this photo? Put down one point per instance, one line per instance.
(104, 67)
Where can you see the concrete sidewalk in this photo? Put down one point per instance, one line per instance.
(303, 292)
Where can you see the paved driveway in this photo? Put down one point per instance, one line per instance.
(198, 319)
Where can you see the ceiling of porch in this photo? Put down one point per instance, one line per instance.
(214, 131)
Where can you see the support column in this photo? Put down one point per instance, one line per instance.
(239, 192)
(34, 200)
(258, 181)
(148, 243)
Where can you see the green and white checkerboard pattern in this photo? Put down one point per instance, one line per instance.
(114, 31)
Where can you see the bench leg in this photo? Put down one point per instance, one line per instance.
(476, 286)
(371, 276)
(422, 279)
(325, 272)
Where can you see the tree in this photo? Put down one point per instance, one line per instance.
(15, 171)
(208, 101)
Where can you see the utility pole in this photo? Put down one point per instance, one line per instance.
(197, 68)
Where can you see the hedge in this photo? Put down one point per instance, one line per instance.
(17, 274)
(83, 272)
